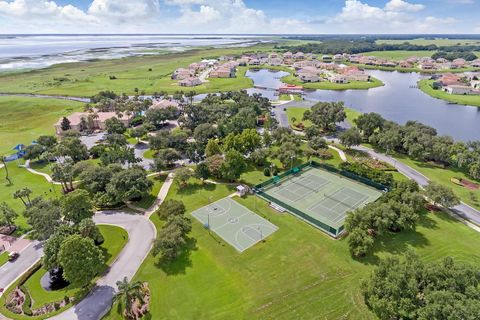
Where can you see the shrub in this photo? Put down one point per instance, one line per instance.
(136, 121)
(27, 303)
(266, 172)
(363, 170)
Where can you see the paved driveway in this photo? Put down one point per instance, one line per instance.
(141, 234)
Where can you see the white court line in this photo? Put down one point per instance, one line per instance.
(228, 222)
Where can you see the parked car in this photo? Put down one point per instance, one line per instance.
(13, 256)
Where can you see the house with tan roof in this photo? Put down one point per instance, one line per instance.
(163, 104)
(182, 73)
(190, 82)
(94, 121)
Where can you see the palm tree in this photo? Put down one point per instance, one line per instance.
(128, 293)
(7, 176)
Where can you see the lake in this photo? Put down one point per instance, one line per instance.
(19, 52)
(398, 100)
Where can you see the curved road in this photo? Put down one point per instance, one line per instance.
(141, 234)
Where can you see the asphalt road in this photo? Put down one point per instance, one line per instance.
(10, 271)
(141, 234)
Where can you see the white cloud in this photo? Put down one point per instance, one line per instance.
(124, 9)
(217, 16)
(400, 5)
(397, 16)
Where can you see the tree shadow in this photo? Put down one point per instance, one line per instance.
(398, 243)
(192, 188)
(181, 263)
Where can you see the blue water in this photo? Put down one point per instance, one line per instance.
(397, 100)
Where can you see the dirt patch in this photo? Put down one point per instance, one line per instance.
(469, 184)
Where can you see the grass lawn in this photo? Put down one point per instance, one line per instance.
(148, 201)
(297, 113)
(115, 240)
(435, 41)
(288, 97)
(443, 176)
(24, 119)
(88, 78)
(426, 87)
(149, 154)
(21, 178)
(399, 54)
(298, 272)
(3, 258)
(327, 85)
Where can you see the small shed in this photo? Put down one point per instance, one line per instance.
(242, 190)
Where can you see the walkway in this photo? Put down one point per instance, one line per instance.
(45, 175)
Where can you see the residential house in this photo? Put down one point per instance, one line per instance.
(97, 120)
(299, 56)
(163, 104)
(288, 55)
(460, 89)
(475, 84)
(223, 71)
(427, 66)
(290, 89)
(182, 73)
(449, 79)
(306, 76)
(190, 82)
(337, 78)
(338, 57)
(273, 55)
(275, 62)
(405, 64)
(459, 63)
(475, 63)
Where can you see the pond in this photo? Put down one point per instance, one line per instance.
(53, 280)
(398, 100)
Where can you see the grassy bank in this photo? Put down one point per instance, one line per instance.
(3, 258)
(212, 281)
(426, 87)
(327, 85)
(25, 118)
(435, 41)
(149, 73)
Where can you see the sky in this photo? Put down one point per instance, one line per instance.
(240, 16)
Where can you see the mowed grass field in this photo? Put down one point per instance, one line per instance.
(436, 41)
(24, 119)
(298, 272)
(399, 54)
(297, 113)
(149, 73)
(21, 178)
(426, 87)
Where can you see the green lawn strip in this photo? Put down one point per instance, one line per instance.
(115, 240)
(399, 54)
(148, 200)
(443, 176)
(88, 78)
(24, 119)
(426, 87)
(283, 277)
(327, 85)
(21, 178)
(3, 258)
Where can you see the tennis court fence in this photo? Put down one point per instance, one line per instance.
(326, 167)
(259, 190)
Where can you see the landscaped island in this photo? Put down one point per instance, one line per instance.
(428, 87)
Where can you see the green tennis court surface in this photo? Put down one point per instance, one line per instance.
(322, 195)
(236, 224)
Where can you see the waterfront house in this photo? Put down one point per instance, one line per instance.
(460, 89)
(337, 78)
(299, 56)
(288, 55)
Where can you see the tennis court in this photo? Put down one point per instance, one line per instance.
(320, 197)
(236, 224)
